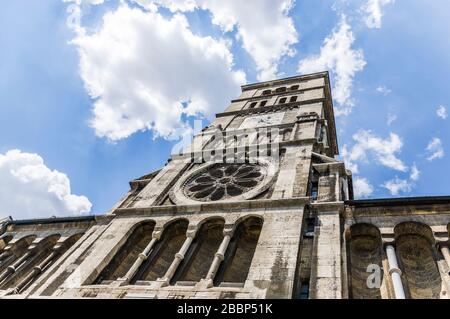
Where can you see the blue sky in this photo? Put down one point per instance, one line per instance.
(91, 101)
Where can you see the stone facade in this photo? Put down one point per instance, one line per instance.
(256, 207)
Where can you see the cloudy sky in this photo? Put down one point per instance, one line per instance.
(94, 93)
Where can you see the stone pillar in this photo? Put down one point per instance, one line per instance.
(337, 189)
(395, 272)
(179, 256)
(13, 268)
(141, 258)
(326, 264)
(446, 253)
(37, 270)
(444, 266)
(218, 258)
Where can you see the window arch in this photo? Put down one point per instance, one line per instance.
(295, 87)
(365, 250)
(164, 252)
(266, 92)
(128, 253)
(201, 253)
(45, 261)
(293, 99)
(238, 257)
(282, 100)
(17, 250)
(24, 266)
(415, 250)
(280, 89)
(253, 105)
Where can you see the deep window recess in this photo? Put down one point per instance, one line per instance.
(310, 226)
(253, 104)
(266, 92)
(304, 290)
(282, 100)
(263, 103)
(294, 88)
(281, 89)
(314, 190)
(293, 99)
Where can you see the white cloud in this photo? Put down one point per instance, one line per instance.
(140, 68)
(362, 188)
(415, 173)
(383, 90)
(391, 118)
(435, 149)
(397, 185)
(30, 189)
(338, 56)
(442, 112)
(264, 27)
(384, 151)
(374, 12)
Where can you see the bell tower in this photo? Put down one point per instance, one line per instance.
(239, 213)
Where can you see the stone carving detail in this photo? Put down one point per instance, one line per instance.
(223, 181)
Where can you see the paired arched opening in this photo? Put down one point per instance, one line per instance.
(118, 267)
(365, 262)
(238, 257)
(417, 258)
(14, 251)
(24, 265)
(201, 253)
(163, 253)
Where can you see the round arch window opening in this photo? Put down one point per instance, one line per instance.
(224, 181)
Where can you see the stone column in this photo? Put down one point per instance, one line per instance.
(13, 268)
(446, 253)
(444, 266)
(37, 270)
(218, 258)
(179, 256)
(141, 258)
(337, 189)
(395, 272)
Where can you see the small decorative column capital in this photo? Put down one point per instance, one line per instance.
(228, 230)
(157, 234)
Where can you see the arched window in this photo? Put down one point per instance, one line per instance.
(414, 247)
(281, 89)
(128, 253)
(45, 261)
(293, 99)
(238, 257)
(198, 259)
(365, 255)
(17, 250)
(4, 242)
(282, 100)
(294, 87)
(266, 92)
(253, 105)
(263, 103)
(25, 265)
(164, 252)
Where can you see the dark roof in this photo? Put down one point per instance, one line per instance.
(52, 220)
(428, 200)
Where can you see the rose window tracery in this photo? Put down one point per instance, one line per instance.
(223, 181)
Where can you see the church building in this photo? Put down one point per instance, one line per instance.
(257, 206)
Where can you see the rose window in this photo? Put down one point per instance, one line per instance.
(223, 181)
